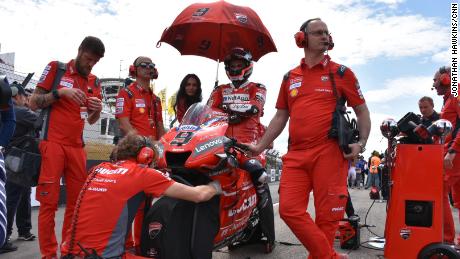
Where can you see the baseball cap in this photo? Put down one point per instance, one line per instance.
(17, 88)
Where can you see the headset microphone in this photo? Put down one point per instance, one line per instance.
(154, 74)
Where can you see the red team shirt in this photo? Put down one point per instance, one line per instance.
(142, 109)
(110, 203)
(66, 124)
(451, 111)
(307, 94)
(248, 93)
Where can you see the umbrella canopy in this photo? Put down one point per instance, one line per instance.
(213, 29)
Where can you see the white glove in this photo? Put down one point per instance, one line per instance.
(216, 185)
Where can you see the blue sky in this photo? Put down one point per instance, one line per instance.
(393, 46)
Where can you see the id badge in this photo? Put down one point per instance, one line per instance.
(83, 112)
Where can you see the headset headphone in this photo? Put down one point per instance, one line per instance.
(444, 76)
(146, 154)
(301, 36)
(133, 70)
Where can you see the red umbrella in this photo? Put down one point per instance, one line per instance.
(212, 29)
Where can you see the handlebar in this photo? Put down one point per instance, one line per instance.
(239, 146)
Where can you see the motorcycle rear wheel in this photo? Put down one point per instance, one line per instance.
(439, 250)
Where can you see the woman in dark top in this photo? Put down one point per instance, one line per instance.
(189, 93)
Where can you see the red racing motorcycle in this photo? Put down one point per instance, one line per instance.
(197, 152)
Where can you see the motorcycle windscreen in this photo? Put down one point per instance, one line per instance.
(201, 115)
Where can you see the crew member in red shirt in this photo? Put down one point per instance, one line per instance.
(122, 184)
(62, 146)
(314, 162)
(450, 111)
(244, 102)
(138, 109)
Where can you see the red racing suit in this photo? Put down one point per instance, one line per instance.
(246, 104)
(451, 111)
(107, 205)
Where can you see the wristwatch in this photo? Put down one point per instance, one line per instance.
(451, 151)
(55, 94)
(362, 146)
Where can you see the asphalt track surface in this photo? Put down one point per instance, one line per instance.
(361, 201)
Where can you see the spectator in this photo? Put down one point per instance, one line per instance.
(17, 196)
(360, 169)
(188, 94)
(352, 174)
(62, 145)
(314, 161)
(6, 132)
(374, 178)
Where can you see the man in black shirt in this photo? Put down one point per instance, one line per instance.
(429, 115)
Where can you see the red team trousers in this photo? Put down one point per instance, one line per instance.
(57, 161)
(323, 170)
(451, 184)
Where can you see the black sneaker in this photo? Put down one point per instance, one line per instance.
(8, 247)
(27, 237)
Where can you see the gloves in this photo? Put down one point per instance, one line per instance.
(217, 186)
(234, 119)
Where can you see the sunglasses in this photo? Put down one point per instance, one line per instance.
(146, 65)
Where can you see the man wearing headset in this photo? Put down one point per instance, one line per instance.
(314, 161)
(450, 111)
(123, 184)
(138, 109)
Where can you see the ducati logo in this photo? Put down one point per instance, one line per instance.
(154, 229)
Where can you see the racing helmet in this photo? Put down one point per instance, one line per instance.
(245, 72)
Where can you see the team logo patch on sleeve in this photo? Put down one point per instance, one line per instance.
(44, 74)
(358, 89)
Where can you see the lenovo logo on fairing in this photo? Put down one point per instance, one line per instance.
(208, 145)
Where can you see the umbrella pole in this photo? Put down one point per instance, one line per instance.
(216, 83)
